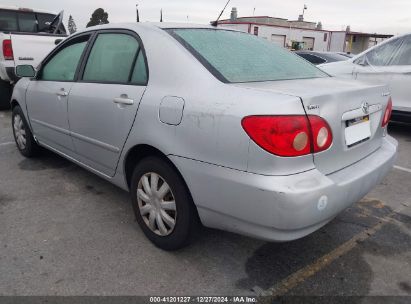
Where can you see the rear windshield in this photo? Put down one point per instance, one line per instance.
(27, 22)
(239, 57)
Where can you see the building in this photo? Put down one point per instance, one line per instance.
(300, 34)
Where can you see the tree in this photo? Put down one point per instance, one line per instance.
(98, 17)
(72, 27)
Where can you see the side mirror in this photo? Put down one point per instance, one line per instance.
(25, 71)
(57, 41)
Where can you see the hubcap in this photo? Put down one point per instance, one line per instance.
(157, 204)
(19, 132)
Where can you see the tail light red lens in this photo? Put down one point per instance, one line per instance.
(7, 50)
(387, 114)
(321, 133)
(289, 135)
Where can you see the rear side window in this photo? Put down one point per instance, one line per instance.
(63, 65)
(239, 57)
(27, 22)
(44, 21)
(8, 21)
(112, 58)
(139, 75)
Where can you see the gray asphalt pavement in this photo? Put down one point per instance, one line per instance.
(64, 231)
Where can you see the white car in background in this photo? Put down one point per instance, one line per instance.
(389, 63)
(26, 37)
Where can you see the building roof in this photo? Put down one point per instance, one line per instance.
(375, 35)
(255, 17)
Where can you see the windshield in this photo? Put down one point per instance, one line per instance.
(240, 57)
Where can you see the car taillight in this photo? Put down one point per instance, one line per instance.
(387, 114)
(322, 134)
(289, 135)
(7, 50)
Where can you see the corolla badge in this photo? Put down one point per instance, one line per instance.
(365, 108)
(313, 107)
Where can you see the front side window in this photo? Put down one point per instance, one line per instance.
(27, 22)
(239, 57)
(382, 55)
(63, 65)
(8, 21)
(111, 58)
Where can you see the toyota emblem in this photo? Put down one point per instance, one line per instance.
(365, 108)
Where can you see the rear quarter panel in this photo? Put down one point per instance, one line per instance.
(210, 130)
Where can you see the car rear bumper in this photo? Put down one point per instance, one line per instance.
(281, 208)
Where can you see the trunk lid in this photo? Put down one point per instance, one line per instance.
(343, 104)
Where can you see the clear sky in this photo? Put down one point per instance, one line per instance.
(380, 16)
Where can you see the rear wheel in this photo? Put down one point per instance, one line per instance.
(5, 95)
(162, 204)
(22, 134)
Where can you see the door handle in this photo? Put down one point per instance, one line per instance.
(62, 93)
(123, 100)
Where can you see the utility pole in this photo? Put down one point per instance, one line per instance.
(138, 15)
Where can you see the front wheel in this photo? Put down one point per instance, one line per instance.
(162, 204)
(22, 134)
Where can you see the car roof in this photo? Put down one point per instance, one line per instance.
(152, 25)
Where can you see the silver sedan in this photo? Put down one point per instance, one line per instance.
(207, 126)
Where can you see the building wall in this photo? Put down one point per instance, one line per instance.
(360, 44)
(292, 34)
(238, 27)
(337, 43)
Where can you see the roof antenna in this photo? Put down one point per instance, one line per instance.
(215, 23)
(161, 15)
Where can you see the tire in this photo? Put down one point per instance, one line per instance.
(22, 134)
(5, 95)
(185, 215)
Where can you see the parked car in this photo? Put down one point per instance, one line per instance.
(321, 57)
(207, 125)
(26, 37)
(388, 62)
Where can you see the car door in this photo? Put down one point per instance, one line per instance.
(104, 102)
(47, 95)
(401, 77)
